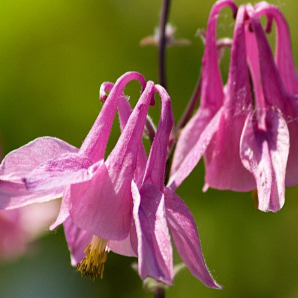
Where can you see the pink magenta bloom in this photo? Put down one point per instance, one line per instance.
(156, 209)
(18, 228)
(247, 143)
(120, 204)
(90, 185)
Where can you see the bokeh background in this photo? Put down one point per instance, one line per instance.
(53, 57)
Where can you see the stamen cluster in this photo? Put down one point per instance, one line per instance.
(93, 264)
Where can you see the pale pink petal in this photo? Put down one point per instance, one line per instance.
(64, 208)
(102, 208)
(265, 154)
(77, 240)
(185, 234)
(66, 169)
(196, 152)
(155, 256)
(189, 136)
(124, 247)
(15, 195)
(18, 163)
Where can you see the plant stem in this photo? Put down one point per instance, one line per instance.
(162, 43)
(182, 122)
(191, 105)
(159, 293)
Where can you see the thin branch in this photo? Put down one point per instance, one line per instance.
(159, 293)
(162, 43)
(191, 105)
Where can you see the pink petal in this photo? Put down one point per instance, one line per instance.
(96, 141)
(125, 152)
(276, 95)
(155, 256)
(66, 169)
(185, 234)
(18, 163)
(212, 88)
(283, 55)
(156, 165)
(101, 206)
(111, 184)
(196, 152)
(64, 209)
(15, 195)
(124, 110)
(224, 169)
(77, 240)
(189, 136)
(265, 154)
(212, 92)
(124, 247)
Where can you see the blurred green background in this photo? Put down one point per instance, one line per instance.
(54, 55)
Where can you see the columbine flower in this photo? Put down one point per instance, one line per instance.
(18, 227)
(90, 185)
(255, 122)
(157, 209)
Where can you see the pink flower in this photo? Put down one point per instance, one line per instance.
(247, 143)
(90, 185)
(120, 204)
(18, 227)
(156, 209)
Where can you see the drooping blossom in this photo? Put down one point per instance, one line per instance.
(246, 144)
(90, 186)
(155, 209)
(20, 227)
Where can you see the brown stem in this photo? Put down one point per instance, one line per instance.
(159, 293)
(191, 105)
(162, 43)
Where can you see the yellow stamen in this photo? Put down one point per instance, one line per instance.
(93, 264)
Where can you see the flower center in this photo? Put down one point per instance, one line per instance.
(93, 264)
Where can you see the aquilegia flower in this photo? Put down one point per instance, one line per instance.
(18, 228)
(155, 208)
(105, 184)
(247, 143)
